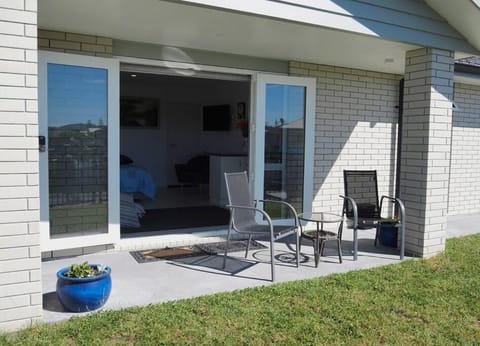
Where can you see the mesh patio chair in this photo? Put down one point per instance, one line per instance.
(243, 213)
(363, 210)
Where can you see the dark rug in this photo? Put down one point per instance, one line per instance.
(174, 253)
(186, 217)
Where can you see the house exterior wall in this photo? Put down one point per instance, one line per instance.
(356, 128)
(426, 140)
(66, 42)
(464, 188)
(20, 263)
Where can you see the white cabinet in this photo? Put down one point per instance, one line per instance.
(218, 166)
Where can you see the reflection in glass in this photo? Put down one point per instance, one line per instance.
(284, 146)
(77, 150)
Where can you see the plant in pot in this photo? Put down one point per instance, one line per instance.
(83, 287)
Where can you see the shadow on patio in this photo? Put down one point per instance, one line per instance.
(138, 284)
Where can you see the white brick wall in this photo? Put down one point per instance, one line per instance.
(426, 148)
(20, 263)
(464, 189)
(67, 42)
(356, 128)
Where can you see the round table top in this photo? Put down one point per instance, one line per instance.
(320, 217)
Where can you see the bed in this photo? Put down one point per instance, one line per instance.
(135, 180)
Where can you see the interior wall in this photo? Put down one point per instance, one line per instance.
(179, 135)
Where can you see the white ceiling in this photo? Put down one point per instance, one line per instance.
(188, 26)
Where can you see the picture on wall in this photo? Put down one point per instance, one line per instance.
(138, 112)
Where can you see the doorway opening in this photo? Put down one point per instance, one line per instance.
(178, 135)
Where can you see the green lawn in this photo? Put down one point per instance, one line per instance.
(421, 302)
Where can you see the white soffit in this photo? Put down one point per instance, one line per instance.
(463, 15)
(208, 29)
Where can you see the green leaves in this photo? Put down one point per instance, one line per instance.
(84, 270)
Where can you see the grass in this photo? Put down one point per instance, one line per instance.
(422, 302)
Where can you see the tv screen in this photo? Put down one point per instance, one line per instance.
(216, 118)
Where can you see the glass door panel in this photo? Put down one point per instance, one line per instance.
(77, 150)
(284, 145)
(79, 170)
(282, 139)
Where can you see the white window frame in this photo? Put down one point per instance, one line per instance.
(113, 235)
(259, 92)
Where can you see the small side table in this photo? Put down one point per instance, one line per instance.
(320, 236)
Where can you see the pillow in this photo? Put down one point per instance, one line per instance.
(125, 160)
(128, 211)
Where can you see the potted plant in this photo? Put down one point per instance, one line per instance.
(84, 287)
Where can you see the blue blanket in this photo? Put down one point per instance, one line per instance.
(135, 179)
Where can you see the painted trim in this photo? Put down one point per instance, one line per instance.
(466, 78)
(113, 235)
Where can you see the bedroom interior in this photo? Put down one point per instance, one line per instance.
(178, 135)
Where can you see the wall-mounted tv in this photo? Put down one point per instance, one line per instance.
(216, 118)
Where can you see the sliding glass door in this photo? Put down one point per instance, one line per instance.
(283, 136)
(79, 124)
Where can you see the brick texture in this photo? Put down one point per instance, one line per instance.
(464, 188)
(356, 128)
(426, 148)
(67, 42)
(20, 262)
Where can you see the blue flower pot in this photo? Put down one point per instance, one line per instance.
(83, 294)
(388, 235)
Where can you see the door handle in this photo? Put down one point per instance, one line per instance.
(42, 142)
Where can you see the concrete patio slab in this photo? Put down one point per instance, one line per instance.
(140, 284)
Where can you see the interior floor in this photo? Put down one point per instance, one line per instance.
(178, 197)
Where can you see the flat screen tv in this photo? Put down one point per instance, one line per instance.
(216, 118)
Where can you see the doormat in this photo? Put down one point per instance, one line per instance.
(173, 253)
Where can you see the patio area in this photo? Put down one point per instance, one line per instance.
(138, 284)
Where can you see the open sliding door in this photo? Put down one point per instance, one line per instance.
(79, 150)
(283, 140)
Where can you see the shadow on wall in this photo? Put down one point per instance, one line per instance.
(356, 128)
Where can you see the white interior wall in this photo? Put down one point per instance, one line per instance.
(179, 135)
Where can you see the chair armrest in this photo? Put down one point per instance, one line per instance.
(354, 207)
(398, 202)
(288, 205)
(265, 215)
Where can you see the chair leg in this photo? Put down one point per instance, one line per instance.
(226, 249)
(339, 246)
(355, 244)
(272, 255)
(298, 248)
(248, 245)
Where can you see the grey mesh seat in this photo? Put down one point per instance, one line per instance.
(362, 208)
(243, 213)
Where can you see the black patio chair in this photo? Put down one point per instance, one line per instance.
(243, 212)
(363, 210)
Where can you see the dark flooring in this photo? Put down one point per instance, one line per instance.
(178, 218)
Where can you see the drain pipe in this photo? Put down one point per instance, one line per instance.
(399, 140)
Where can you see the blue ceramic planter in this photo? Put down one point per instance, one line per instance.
(83, 294)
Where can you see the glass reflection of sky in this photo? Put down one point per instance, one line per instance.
(76, 94)
(285, 102)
